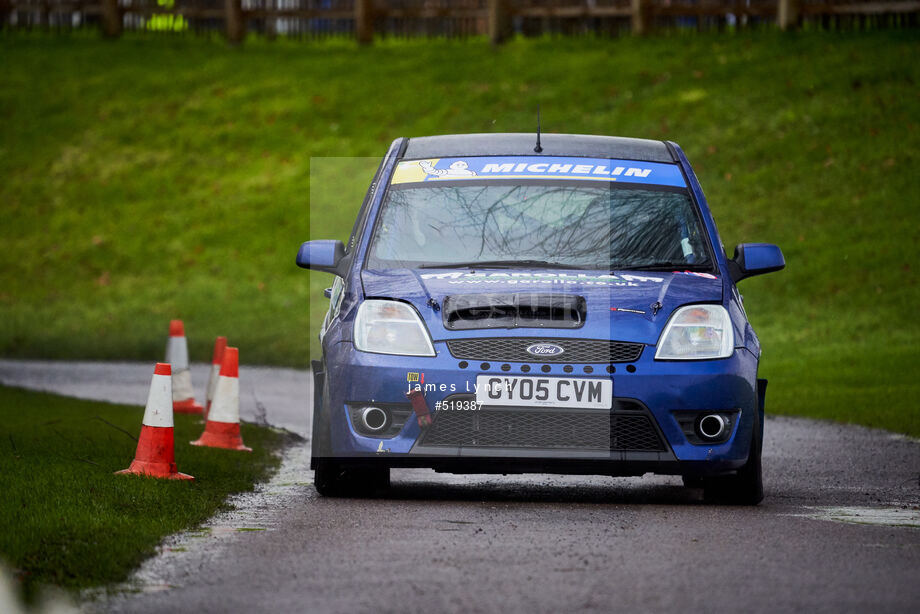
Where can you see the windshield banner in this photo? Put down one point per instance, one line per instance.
(537, 167)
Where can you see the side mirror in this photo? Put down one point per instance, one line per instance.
(755, 259)
(321, 256)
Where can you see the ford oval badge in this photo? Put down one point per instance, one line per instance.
(544, 349)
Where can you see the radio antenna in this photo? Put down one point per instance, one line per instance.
(538, 148)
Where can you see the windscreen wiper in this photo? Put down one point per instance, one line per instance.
(663, 266)
(498, 264)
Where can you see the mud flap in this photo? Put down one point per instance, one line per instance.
(319, 381)
(319, 377)
(761, 401)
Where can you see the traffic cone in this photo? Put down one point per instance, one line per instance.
(220, 344)
(177, 356)
(222, 430)
(156, 455)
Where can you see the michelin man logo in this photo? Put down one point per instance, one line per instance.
(457, 169)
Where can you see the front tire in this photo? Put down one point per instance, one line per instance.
(746, 486)
(333, 479)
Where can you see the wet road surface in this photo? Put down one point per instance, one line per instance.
(838, 529)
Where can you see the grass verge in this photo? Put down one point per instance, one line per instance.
(65, 519)
(169, 177)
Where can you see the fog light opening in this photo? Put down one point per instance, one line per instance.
(711, 427)
(374, 419)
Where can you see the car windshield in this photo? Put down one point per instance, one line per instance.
(577, 224)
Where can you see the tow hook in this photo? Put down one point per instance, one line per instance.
(420, 407)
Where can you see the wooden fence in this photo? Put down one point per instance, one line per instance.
(365, 19)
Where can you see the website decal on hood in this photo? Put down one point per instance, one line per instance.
(525, 278)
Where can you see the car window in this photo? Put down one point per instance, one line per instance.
(592, 225)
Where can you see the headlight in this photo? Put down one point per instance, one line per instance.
(391, 327)
(697, 332)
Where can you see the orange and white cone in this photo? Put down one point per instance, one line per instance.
(156, 454)
(220, 344)
(222, 430)
(183, 394)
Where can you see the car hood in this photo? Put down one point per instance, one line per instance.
(620, 306)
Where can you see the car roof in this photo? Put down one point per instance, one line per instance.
(522, 144)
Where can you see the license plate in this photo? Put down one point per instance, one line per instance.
(544, 391)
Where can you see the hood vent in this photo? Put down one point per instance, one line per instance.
(522, 310)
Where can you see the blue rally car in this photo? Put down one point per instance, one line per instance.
(507, 305)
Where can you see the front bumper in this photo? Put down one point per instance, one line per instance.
(659, 390)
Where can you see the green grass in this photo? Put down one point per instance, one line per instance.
(65, 519)
(171, 177)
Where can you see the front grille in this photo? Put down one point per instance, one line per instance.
(634, 433)
(520, 429)
(543, 429)
(514, 349)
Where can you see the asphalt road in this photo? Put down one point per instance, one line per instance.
(831, 535)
